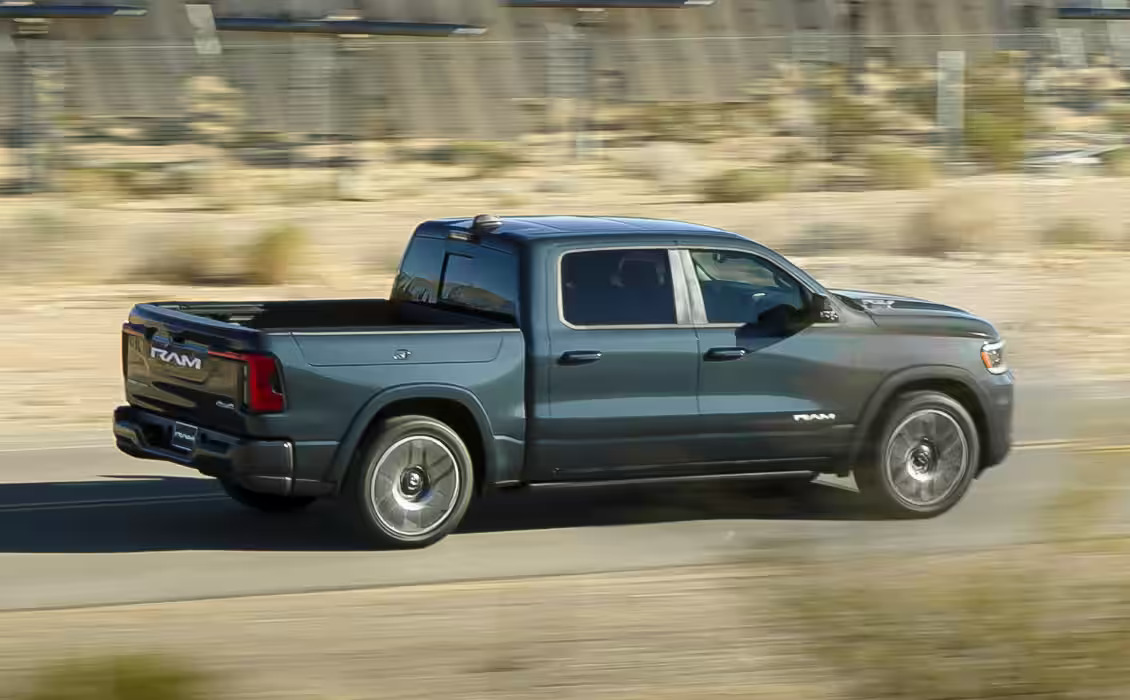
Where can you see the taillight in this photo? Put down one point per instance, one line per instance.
(264, 384)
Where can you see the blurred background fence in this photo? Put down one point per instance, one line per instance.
(1000, 82)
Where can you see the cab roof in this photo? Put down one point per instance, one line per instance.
(524, 229)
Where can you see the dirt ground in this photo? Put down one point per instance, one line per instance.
(700, 632)
(1061, 309)
(669, 634)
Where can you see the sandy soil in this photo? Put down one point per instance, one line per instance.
(703, 632)
(670, 634)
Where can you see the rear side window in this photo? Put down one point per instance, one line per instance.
(459, 276)
(420, 270)
(617, 288)
(482, 280)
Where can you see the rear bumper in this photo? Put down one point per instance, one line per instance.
(265, 466)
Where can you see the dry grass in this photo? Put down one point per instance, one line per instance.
(899, 168)
(273, 255)
(1117, 163)
(45, 243)
(195, 258)
(1118, 115)
(118, 677)
(954, 222)
(1070, 232)
(999, 119)
(483, 159)
(742, 185)
(1050, 621)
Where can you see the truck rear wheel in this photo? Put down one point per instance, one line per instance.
(924, 458)
(412, 483)
(266, 502)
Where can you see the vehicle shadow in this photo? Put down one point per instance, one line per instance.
(161, 513)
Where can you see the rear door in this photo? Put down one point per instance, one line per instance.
(622, 367)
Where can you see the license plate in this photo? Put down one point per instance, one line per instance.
(184, 437)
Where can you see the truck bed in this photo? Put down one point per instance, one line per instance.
(342, 315)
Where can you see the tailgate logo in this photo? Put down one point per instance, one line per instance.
(176, 358)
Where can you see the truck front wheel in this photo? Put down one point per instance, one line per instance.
(412, 483)
(924, 458)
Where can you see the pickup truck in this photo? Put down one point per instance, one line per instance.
(558, 350)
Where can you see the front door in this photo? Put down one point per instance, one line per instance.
(775, 391)
(622, 367)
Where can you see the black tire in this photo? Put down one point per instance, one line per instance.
(909, 459)
(409, 453)
(265, 502)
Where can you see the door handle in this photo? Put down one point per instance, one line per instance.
(581, 357)
(725, 354)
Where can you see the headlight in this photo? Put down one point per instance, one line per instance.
(992, 354)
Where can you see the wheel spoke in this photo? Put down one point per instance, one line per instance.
(415, 485)
(927, 456)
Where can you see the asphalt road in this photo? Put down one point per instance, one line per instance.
(81, 524)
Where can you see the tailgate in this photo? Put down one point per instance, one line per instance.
(190, 368)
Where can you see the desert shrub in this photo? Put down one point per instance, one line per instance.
(1119, 117)
(1117, 163)
(898, 168)
(920, 98)
(271, 257)
(1049, 620)
(952, 223)
(988, 628)
(692, 122)
(163, 131)
(831, 239)
(742, 186)
(845, 122)
(486, 159)
(141, 677)
(1069, 232)
(41, 241)
(666, 164)
(189, 260)
(215, 109)
(998, 119)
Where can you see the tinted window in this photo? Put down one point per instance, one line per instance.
(617, 288)
(485, 281)
(740, 288)
(420, 269)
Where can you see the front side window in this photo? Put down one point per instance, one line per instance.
(618, 288)
(741, 288)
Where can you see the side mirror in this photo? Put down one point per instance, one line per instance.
(824, 311)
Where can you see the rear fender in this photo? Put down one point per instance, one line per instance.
(364, 419)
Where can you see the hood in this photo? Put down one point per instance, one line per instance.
(912, 315)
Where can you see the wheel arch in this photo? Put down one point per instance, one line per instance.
(455, 406)
(954, 382)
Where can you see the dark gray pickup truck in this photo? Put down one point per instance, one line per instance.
(543, 351)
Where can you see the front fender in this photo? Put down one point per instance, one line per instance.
(364, 418)
(900, 381)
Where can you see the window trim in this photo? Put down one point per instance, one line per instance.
(682, 297)
(698, 305)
